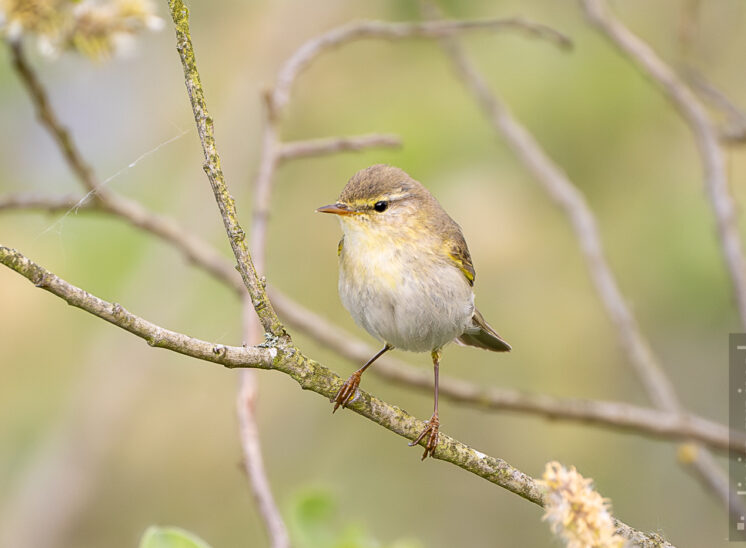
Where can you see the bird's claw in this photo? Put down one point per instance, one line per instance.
(347, 391)
(432, 441)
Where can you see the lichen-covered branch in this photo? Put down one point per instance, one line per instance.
(270, 321)
(618, 415)
(624, 416)
(286, 358)
(154, 335)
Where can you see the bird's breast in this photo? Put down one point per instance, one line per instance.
(401, 292)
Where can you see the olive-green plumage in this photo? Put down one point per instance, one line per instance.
(406, 275)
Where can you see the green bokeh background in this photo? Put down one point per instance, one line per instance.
(154, 434)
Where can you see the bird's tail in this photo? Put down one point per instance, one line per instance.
(481, 335)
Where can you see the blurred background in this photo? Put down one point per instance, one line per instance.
(145, 436)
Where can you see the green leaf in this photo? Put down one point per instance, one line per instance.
(170, 537)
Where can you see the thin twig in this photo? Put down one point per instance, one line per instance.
(248, 382)
(386, 30)
(701, 465)
(570, 199)
(34, 201)
(561, 190)
(49, 120)
(334, 145)
(253, 461)
(193, 247)
(694, 114)
(286, 358)
(734, 129)
(715, 181)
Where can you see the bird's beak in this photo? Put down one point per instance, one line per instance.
(337, 209)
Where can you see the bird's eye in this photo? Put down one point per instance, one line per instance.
(381, 206)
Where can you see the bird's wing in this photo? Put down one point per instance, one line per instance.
(340, 245)
(459, 254)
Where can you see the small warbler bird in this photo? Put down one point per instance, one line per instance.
(405, 275)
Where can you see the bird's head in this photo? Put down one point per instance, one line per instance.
(382, 198)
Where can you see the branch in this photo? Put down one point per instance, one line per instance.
(259, 300)
(734, 129)
(561, 190)
(690, 109)
(248, 388)
(716, 184)
(570, 199)
(334, 145)
(626, 417)
(229, 356)
(226, 204)
(286, 358)
(167, 230)
(49, 120)
(385, 30)
(254, 463)
(51, 204)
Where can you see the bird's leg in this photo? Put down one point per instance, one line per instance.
(431, 430)
(347, 390)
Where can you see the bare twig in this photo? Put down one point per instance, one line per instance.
(569, 198)
(52, 204)
(703, 467)
(690, 109)
(248, 383)
(385, 30)
(49, 120)
(253, 461)
(715, 181)
(334, 145)
(282, 356)
(560, 188)
(734, 129)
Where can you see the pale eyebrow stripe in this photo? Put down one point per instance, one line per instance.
(392, 198)
(398, 196)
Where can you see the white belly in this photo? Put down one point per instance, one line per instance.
(416, 307)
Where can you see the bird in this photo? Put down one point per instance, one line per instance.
(405, 276)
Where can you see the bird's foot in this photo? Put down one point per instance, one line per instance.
(431, 430)
(347, 391)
